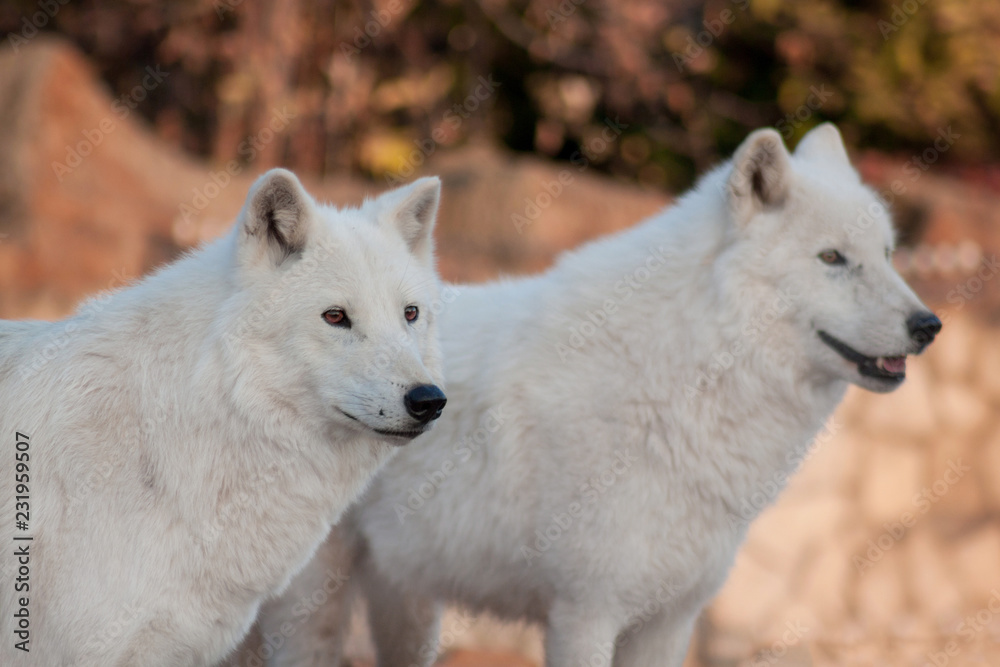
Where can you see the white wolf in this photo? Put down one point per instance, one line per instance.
(611, 419)
(187, 443)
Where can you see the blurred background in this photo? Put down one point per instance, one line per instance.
(130, 131)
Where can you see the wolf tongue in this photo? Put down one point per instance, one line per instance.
(892, 364)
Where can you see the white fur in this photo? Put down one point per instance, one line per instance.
(643, 441)
(188, 449)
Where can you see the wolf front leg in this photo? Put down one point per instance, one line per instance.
(662, 641)
(307, 625)
(579, 635)
(404, 627)
(153, 647)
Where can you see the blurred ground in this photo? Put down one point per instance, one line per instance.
(884, 550)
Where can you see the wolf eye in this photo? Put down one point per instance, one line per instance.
(831, 257)
(337, 317)
(411, 313)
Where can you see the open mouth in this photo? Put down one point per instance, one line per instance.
(882, 368)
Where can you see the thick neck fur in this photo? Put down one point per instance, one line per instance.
(680, 354)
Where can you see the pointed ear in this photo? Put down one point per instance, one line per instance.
(823, 142)
(411, 210)
(276, 218)
(760, 177)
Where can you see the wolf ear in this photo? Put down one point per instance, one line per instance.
(823, 142)
(760, 176)
(411, 211)
(276, 218)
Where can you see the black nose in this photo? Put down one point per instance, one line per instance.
(923, 327)
(425, 402)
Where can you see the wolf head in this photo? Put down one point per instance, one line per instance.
(335, 309)
(805, 224)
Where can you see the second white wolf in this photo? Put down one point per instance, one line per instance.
(611, 420)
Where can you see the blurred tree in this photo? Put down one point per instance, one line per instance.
(653, 90)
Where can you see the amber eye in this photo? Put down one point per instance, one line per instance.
(831, 257)
(336, 317)
(411, 313)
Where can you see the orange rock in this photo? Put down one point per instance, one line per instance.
(479, 659)
(90, 198)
